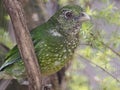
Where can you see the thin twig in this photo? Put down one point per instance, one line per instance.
(116, 53)
(100, 68)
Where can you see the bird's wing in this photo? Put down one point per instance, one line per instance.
(13, 56)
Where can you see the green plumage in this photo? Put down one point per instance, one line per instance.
(54, 41)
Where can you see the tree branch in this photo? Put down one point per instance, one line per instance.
(25, 45)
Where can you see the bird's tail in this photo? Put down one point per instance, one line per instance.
(12, 57)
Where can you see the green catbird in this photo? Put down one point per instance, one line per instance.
(54, 42)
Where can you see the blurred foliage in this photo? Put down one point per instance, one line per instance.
(3, 16)
(99, 46)
(5, 42)
(4, 38)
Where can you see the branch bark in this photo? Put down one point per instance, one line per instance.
(25, 45)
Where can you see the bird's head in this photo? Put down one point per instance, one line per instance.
(70, 18)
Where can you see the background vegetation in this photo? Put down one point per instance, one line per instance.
(96, 65)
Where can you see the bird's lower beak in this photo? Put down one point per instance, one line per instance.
(84, 17)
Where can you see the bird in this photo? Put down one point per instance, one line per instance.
(55, 43)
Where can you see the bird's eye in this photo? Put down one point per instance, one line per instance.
(82, 14)
(68, 15)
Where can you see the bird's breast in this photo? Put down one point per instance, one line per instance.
(52, 59)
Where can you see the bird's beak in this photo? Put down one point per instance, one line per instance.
(84, 17)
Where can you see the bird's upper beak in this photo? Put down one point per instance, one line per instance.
(84, 17)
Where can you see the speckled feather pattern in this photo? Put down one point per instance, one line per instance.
(55, 42)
